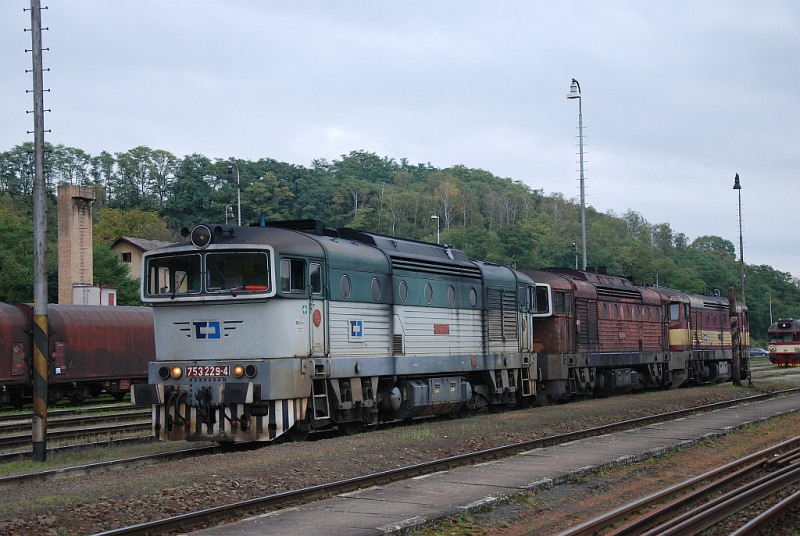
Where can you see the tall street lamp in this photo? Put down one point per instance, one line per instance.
(575, 93)
(229, 177)
(436, 217)
(737, 186)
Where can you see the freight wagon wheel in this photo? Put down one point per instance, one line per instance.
(77, 398)
(119, 396)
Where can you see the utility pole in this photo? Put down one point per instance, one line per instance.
(736, 346)
(40, 344)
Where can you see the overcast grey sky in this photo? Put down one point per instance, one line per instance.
(678, 96)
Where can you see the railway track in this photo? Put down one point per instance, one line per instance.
(686, 509)
(73, 426)
(189, 521)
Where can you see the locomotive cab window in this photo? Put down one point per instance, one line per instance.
(174, 275)
(293, 276)
(237, 271)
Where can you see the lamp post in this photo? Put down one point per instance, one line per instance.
(769, 296)
(737, 186)
(575, 251)
(436, 217)
(229, 177)
(575, 93)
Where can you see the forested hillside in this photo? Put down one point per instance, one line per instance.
(151, 193)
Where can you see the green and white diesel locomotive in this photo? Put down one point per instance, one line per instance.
(273, 331)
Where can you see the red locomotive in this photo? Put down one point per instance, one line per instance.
(784, 342)
(92, 349)
(602, 334)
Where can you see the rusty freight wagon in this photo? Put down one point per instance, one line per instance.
(95, 348)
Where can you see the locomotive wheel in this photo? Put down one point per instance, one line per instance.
(298, 435)
(351, 428)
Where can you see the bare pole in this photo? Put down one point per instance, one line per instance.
(40, 368)
(736, 342)
(737, 186)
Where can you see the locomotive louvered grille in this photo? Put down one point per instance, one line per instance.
(397, 345)
(616, 292)
(502, 315)
(432, 267)
(716, 306)
(587, 316)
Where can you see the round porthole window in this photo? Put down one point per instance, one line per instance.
(451, 295)
(375, 287)
(403, 291)
(428, 293)
(473, 297)
(346, 286)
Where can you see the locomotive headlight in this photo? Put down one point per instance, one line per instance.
(164, 373)
(176, 373)
(238, 371)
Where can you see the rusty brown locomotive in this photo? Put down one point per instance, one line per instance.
(600, 334)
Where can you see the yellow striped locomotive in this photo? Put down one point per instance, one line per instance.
(602, 334)
(784, 342)
(273, 331)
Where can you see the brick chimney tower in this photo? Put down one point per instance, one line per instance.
(75, 264)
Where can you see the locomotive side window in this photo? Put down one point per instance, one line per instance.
(375, 289)
(315, 275)
(674, 310)
(403, 291)
(558, 299)
(345, 286)
(293, 276)
(540, 300)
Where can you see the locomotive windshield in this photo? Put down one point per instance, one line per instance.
(211, 272)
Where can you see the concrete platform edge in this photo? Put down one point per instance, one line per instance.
(416, 523)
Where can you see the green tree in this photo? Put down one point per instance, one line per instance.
(112, 223)
(714, 244)
(110, 272)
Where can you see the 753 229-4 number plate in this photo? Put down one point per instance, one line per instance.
(207, 371)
